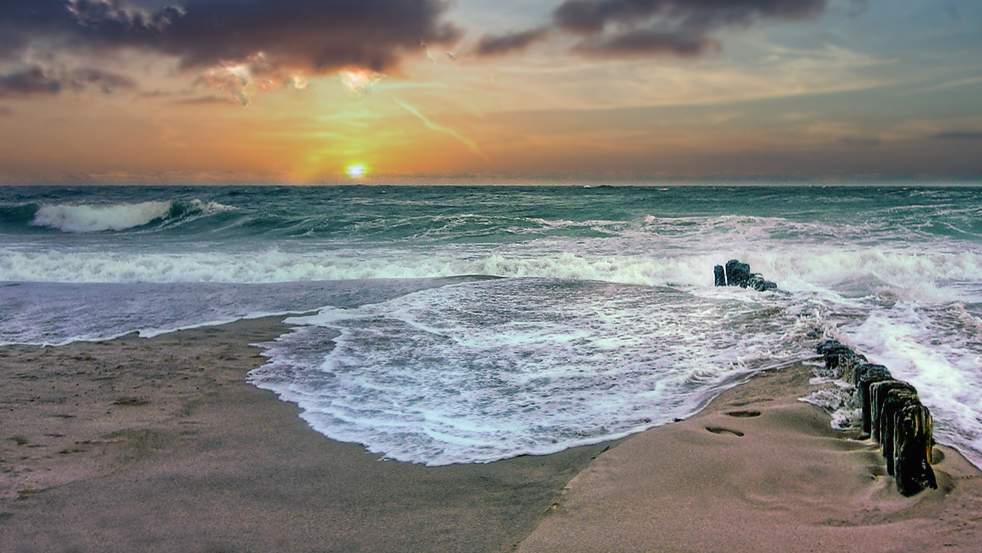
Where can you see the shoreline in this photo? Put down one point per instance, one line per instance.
(758, 470)
(161, 444)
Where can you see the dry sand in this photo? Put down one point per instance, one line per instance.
(161, 445)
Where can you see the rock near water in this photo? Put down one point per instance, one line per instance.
(736, 273)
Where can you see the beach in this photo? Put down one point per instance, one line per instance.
(759, 471)
(161, 444)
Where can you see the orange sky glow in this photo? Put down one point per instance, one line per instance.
(489, 91)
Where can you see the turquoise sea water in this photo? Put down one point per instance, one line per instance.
(601, 319)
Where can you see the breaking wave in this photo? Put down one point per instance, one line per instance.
(87, 218)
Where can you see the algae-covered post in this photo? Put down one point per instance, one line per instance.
(868, 374)
(736, 273)
(892, 415)
(894, 402)
(912, 450)
(878, 394)
(840, 360)
(719, 274)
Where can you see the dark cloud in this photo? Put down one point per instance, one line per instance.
(83, 79)
(591, 16)
(28, 82)
(491, 45)
(958, 135)
(310, 35)
(617, 28)
(34, 81)
(648, 42)
(679, 27)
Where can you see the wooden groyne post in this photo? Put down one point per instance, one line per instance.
(736, 273)
(892, 413)
(893, 416)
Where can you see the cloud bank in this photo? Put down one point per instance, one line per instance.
(36, 80)
(492, 45)
(622, 28)
(314, 36)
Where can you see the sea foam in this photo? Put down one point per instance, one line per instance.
(931, 277)
(893, 271)
(96, 218)
(484, 371)
(936, 349)
(87, 218)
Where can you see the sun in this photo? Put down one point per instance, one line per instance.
(356, 171)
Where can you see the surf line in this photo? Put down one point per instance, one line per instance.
(892, 413)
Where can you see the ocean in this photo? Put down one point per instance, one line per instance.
(463, 324)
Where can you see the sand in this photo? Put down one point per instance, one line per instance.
(161, 444)
(760, 471)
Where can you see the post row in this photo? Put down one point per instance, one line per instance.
(892, 416)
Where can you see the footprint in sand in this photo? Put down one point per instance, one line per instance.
(721, 430)
(743, 414)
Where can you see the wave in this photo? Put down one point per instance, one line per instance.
(94, 218)
(97, 218)
(931, 277)
(334, 224)
(591, 362)
(937, 350)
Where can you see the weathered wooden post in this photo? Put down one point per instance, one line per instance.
(892, 415)
(860, 373)
(737, 274)
(894, 402)
(878, 393)
(912, 450)
(840, 360)
(845, 365)
(866, 375)
(759, 283)
(826, 345)
(832, 355)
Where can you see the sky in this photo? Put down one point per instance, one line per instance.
(329, 91)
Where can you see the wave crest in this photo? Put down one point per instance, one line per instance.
(99, 218)
(117, 217)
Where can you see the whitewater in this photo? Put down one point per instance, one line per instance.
(459, 324)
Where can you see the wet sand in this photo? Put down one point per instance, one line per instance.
(161, 444)
(760, 471)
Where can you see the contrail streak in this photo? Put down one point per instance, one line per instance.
(471, 145)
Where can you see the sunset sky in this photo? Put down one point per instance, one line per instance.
(418, 90)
